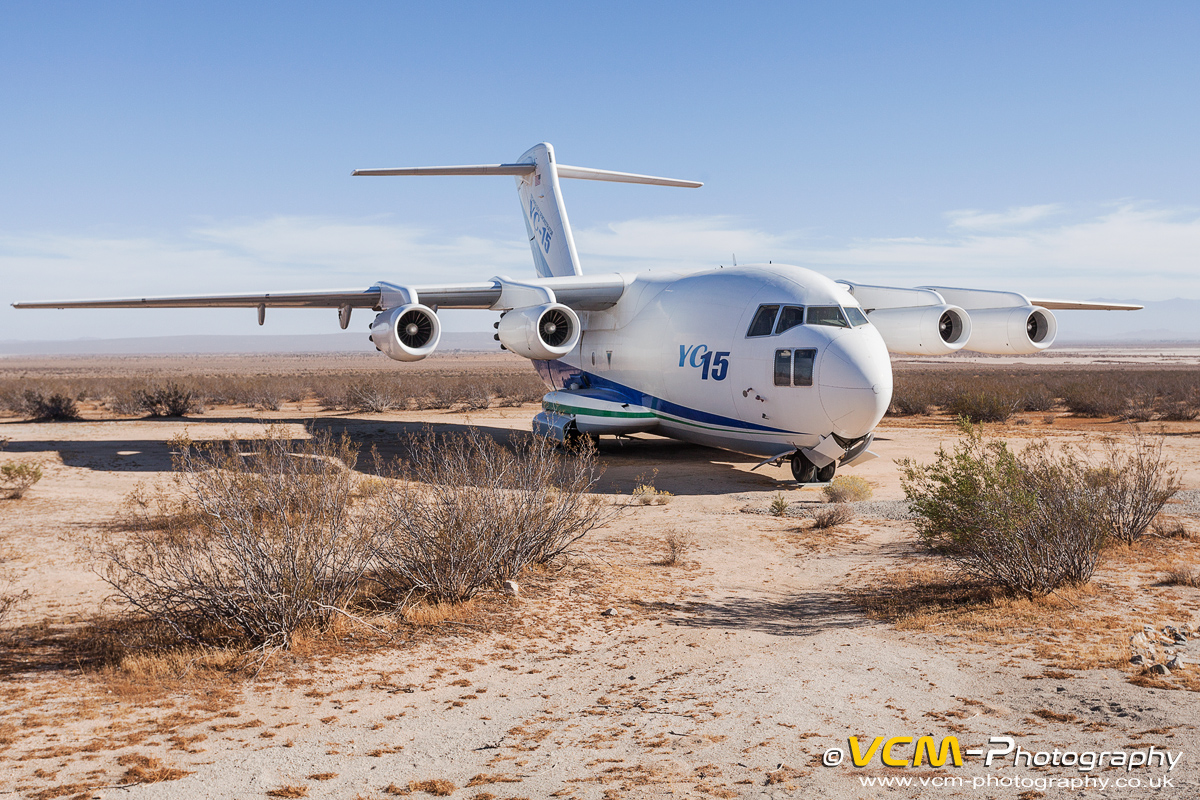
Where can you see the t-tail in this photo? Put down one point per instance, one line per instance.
(537, 173)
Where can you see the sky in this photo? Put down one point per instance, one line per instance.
(171, 148)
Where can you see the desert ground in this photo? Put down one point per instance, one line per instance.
(727, 674)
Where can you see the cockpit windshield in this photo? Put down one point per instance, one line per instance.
(827, 315)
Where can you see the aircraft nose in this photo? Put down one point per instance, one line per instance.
(856, 381)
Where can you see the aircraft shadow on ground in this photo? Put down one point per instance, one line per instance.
(669, 465)
(804, 614)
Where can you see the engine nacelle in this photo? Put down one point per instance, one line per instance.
(406, 333)
(1006, 331)
(922, 330)
(540, 332)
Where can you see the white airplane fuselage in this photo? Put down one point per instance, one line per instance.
(677, 348)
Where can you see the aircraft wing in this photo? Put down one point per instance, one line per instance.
(586, 292)
(1080, 305)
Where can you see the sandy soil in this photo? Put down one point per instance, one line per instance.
(728, 675)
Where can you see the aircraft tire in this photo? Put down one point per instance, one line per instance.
(825, 473)
(803, 470)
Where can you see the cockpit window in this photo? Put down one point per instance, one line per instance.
(790, 318)
(827, 315)
(857, 317)
(764, 320)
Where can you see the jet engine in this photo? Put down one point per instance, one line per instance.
(923, 330)
(406, 333)
(539, 332)
(1006, 331)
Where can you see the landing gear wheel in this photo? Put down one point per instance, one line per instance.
(803, 470)
(825, 473)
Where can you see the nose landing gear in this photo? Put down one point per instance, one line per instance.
(804, 471)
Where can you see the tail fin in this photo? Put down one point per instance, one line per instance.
(542, 207)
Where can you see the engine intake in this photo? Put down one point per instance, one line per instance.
(406, 333)
(540, 332)
(923, 330)
(1006, 331)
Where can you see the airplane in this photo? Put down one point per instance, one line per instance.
(769, 360)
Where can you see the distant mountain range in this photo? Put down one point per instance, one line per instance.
(1161, 321)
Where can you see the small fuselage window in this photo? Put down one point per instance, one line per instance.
(764, 321)
(794, 367)
(790, 317)
(827, 315)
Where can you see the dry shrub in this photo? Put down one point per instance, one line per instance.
(374, 396)
(1027, 522)
(289, 790)
(18, 477)
(993, 404)
(832, 516)
(468, 512)
(848, 489)
(40, 405)
(169, 400)
(1135, 481)
(678, 545)
(254, 541)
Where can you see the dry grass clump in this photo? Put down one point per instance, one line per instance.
(289, 790)
(147, 769)
(16, 478)
(677, 545)
(847, 489)
(255, 540)
(468, 513)
(978, 404)
(832, 516)
(1182, 576)
(645, 494)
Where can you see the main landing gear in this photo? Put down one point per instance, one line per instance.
(804, 471)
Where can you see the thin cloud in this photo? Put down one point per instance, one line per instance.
(1128, 251)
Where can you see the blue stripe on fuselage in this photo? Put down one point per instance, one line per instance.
(555, 374)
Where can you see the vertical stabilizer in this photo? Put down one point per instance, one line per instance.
(545, 215)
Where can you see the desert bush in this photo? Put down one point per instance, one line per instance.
(832, 516)
(467, 512)
(779, 506)
(168, 400)
(253, 541)
(1036, 398)
(984, 404)
(1134, 481)
(16, 478)
(847, 489)
(1028, 522)
(374, 396)
(9, 599)
(55, 406)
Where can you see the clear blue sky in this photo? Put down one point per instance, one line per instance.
(157, 148)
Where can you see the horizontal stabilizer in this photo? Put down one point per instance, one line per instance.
(469, 169)
(564, 171)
